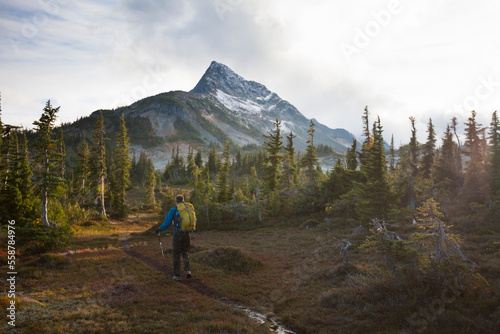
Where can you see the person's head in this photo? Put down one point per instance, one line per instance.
(179, 199)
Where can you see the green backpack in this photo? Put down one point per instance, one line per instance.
(185, 219)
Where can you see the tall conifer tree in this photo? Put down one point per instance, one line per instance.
(25, 174)
(150, 184)
(61, 151)
(446, 164)
(1, 141)
(392, 155)
(1, 124)
(223, 191)
(429, 147)
(413, 165)
(83, 171)
(122, 171)
(352, 161)
(212, 162)
(310, 160)
(46, 158)
(273, 146)
(198, 159)
(291, 171)
(368, 141)
(374, 196)
(458, 156)
(474, 170)
(191, 168)
(98, 162)
(495, 157)
(10, 196)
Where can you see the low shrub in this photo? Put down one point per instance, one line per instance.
(36, 238)
(229, 259)
(53, 261)
(310, 223)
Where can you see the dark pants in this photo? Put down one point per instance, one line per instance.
(180, 246)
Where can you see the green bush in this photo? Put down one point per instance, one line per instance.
(36, 238)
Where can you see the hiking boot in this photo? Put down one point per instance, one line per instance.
(188, 274)
(177, 278)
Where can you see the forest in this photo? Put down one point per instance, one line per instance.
(427, 213)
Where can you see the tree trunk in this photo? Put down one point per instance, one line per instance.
(45, 217)
(103, 209)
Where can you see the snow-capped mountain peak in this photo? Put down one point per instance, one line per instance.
(255, 105)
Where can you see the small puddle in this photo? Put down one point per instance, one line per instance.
(261, 318)
(271, 323)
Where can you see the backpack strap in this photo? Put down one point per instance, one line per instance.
(187, 210)
(176, 219)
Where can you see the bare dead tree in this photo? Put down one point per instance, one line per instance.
(343, 246)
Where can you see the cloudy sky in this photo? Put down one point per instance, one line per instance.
(330, 58)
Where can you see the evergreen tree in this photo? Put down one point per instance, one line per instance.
(238, 163)
(150, 185)
(45, 158)
(368, 141)
(474, 178)
(458, 156)
(134, 163)
(392, 155)
(474, 167)
(12, 157)
(495, 157)
(413, 165)
(310, 160)
(138, 173)
(112, 189)
(61, 150)
(223, 191)
(413, 149)
(273, 146)
(98, 162)
(428, 158)
(192, 169)
(83, 171)
(446, 168)
(122, 171)
(374, 196)
(10, 196)
(1, 126)
(202, 195)
(198, 159)
(25, 174)
(352, 161)
(1, 142)
(15, 176)
(212, 162)
(291, 170)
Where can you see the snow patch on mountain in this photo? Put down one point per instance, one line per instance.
(237, 104)
(265, 98)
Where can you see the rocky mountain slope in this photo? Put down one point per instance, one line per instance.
(222, 106)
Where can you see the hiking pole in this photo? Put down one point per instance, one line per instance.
(161, 247)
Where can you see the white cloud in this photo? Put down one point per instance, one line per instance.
(424, 60)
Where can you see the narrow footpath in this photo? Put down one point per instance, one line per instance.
(198, 286)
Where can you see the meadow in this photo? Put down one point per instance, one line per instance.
(112, 279)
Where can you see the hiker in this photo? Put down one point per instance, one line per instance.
(183, 219)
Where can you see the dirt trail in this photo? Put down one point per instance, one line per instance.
(200, 287)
